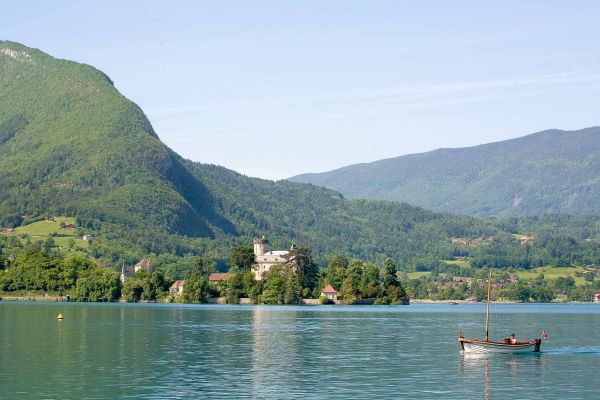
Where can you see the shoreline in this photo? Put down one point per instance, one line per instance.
(46, 299)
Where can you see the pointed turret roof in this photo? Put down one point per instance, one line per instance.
(328, 289)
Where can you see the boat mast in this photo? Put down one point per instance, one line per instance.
(487, 312)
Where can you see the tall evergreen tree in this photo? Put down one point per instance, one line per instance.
(242, 257)
(196, 288)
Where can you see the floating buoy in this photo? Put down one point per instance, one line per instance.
(60, 317)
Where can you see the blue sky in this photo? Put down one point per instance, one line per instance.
(278, 88)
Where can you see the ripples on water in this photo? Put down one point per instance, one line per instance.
(175, 351)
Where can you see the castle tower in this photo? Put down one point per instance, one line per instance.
(260, 246)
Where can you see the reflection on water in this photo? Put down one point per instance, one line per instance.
(502, 369)
(274, 350)
(174, 351)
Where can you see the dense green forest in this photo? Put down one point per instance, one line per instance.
(547, 172)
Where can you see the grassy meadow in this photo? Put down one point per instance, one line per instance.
(42, 230)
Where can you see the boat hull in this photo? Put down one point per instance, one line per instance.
(483, 347)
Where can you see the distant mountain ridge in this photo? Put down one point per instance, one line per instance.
(552, 171)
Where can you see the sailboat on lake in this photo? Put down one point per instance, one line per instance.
(510, 345)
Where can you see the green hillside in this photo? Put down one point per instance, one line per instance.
(72, 146)
(547, 172)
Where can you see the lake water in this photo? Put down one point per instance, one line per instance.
(364, 352)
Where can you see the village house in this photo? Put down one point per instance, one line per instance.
(265, 259)
(219, 277)
(469, 281)
(144, 264)
(87, 238)
(6, 230)
(330, 293)
(177, 287)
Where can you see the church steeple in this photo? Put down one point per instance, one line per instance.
(122, 277)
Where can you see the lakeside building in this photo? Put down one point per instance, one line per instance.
(177, 287)
(218, 277)
(330, 293)
(265, 259)
(144, 264)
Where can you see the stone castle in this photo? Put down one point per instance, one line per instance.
(265, 259)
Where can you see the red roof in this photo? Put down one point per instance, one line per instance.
(144, 263)
(220, 276)
(328, 289)
(177, 284)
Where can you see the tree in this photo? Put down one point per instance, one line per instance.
(308, 270)
(242, 257)
(49, 244)
(370, 281)
(389, 276)
(522, 293)
(293, 290)
(352, 281)
(274, 285)
(281, 286)
(335, 271)
(132, 289)
(393, 291)
(154, 285)
(242, 284)
(233, 288)
(97, 285)
(196, 289)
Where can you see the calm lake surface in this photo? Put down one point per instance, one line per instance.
(151, 351)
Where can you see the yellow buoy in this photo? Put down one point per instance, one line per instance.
(59, 317)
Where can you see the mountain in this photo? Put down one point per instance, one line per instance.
(546, 172)
(72, 145)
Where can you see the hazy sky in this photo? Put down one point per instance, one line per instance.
(278, 88)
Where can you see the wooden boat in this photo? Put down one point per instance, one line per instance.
(488, 346)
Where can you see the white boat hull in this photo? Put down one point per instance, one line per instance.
(483, 347)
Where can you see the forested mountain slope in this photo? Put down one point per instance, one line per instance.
(71, 144)
(547, 172)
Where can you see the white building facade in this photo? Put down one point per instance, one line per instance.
(265, 259)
